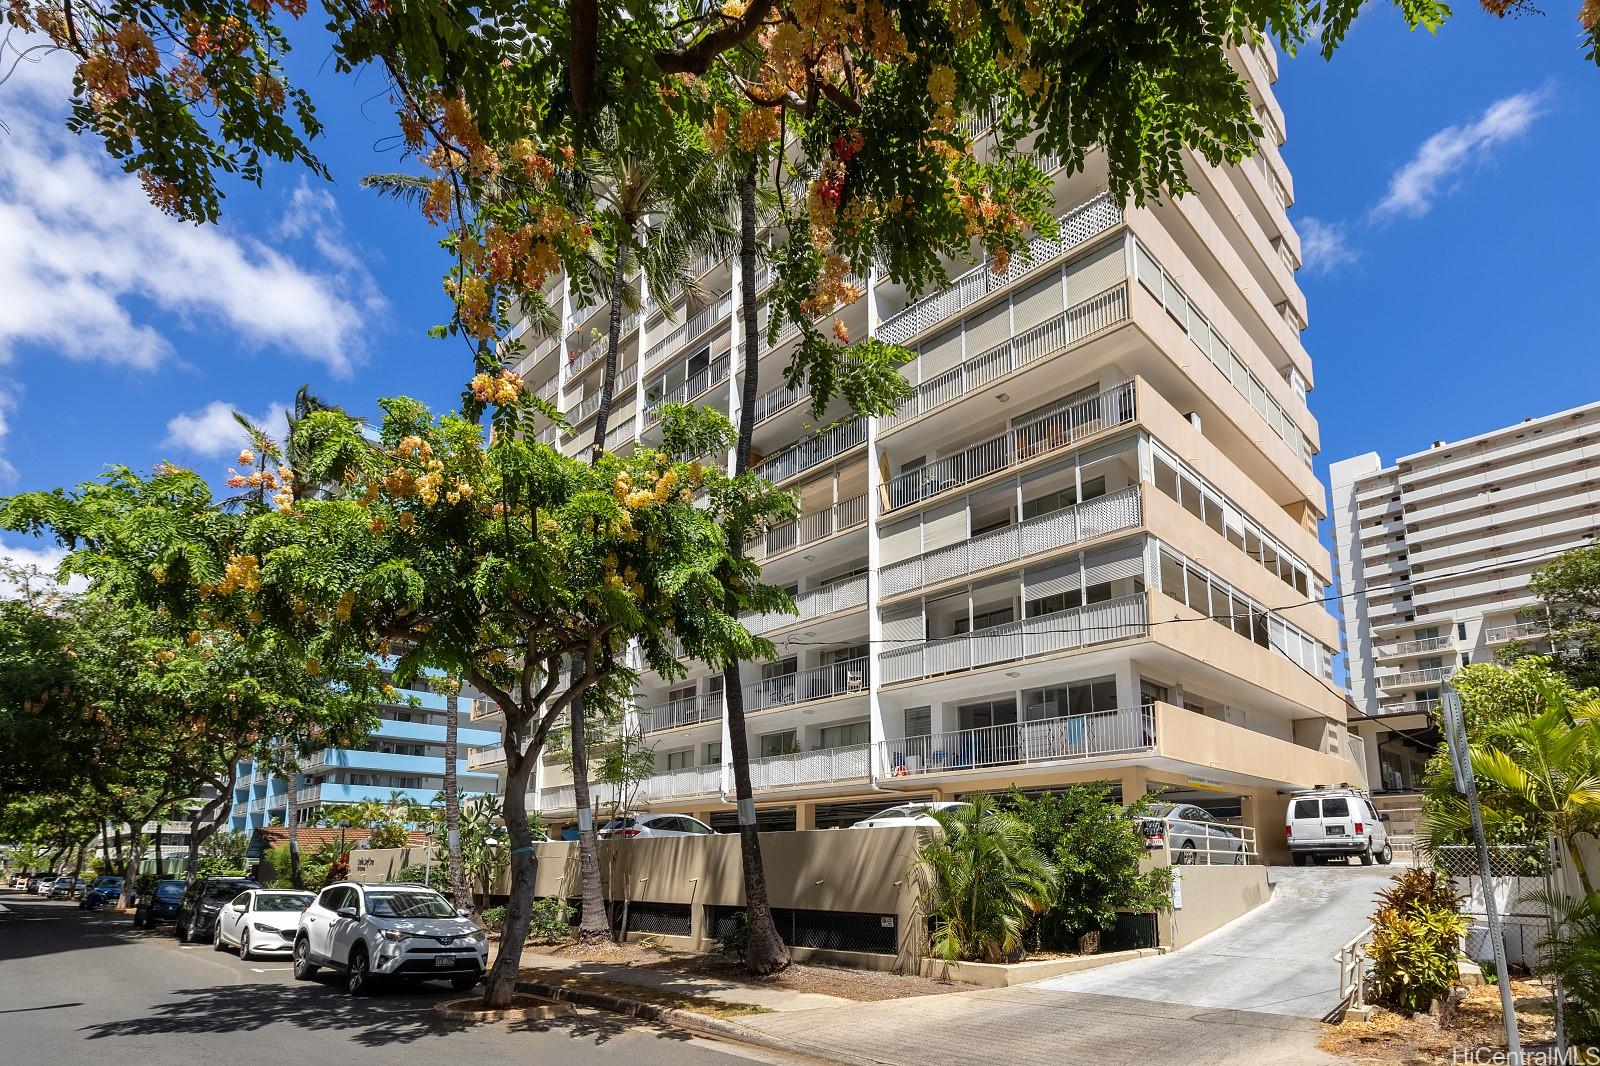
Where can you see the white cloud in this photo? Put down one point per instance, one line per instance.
(212, 431)
(1324, 246)
(8, 401)
(45, 558)
(87, 258)
(1443, 156)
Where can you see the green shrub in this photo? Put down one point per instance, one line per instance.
(736, 941)
(388, 835)
(1572, 955)
(983, 882)
(551, 920)
(493, 919)
(216, 866)
(1096, 846)
(1416, 941)
(436, 877)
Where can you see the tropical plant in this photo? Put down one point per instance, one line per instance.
(1416, 940)
(229, 847)
(434, 875)
(493, 919)
(1571, 956)
(1098, 852)
(1570, 590)
(983, 880)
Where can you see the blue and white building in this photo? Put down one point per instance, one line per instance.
(404, 754)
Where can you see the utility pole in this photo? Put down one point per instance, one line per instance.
(1455, 727)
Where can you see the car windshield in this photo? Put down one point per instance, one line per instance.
(282, 901)
(169, 890)
(223, 892)
(409, 905)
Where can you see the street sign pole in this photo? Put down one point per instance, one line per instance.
(1461, 763)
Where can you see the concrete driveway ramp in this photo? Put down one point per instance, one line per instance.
(1278, 959)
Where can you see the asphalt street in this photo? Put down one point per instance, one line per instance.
(85, 987)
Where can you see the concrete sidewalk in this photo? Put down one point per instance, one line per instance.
(554, 969)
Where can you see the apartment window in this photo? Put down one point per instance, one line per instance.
(1152, 691)
(714, 690)
(918, 721)
(713, 753)
(1078, 697)
(678, 760)
(785, 742)
(1461, 631)
(985, 619)
(1051, 502)
(846, 735)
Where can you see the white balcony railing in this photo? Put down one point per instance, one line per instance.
(811, 451)
(1113, 407)
(805, 686)
(812, 767)
(305, 797)
(671, 785)
(1073, 325)
(1080, 627)
(840, 596)
(775, 401)
(1091, 518)
(1064, 738)
(1415, 647)
(691, 710)
(618, 434)
(485, 756)
(1076, 226)
(1408, 707)
(1520, 631)
(685, 332)
(1429, 676)
(589, 405)
(698, 382)
(846, 514)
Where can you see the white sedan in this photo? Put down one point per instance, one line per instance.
(910, 814)
(261, 921)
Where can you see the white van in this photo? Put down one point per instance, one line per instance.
(1326, 822)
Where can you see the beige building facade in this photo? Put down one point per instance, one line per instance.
(1435, 553)
(1085, 548)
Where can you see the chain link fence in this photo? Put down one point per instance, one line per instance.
(1519, 875)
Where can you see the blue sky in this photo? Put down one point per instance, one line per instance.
(1444, 189)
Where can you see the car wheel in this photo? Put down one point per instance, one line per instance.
(461, 984)
(1300, 858)
(1386, 856)
(358, 978)
(1186, 854)
(217, 943)
(244, 946)
(181, 930)
(1366, 855)
(304, 968)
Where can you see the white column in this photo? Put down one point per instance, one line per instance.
(875, 708)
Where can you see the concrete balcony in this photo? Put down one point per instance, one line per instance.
(1085, 521)
(492, 757)
(1081, 627)
(1519, 631)
(807, 686)
(1065, 738)
(589, 406)
(1408, 648)
(1407, 707)
(485, 711)
(1055, 431)
(1415, 678)
(801, 769)
(671, 786)
(692, 389)
(809, 528)
(1076, 227)
(813, 451)
(841, 596)
(675, 714)
(686, 333)
(1073, 326)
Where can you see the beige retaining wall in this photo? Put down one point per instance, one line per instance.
(1211, 897)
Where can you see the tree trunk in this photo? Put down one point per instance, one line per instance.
(766, 952)
(452, 806)
(290, 817)
(206, 820)
(613, 340)
(131, 871)
(594, 924)
(160, 872)
(105, 846)
(501, 983)
(83, 850)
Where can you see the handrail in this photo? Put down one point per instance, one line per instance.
(1500, 634)
(1416, 677)
(694, 327)
(1412, 647)
(804, 686)
(812, 767)
(777, 400)
(1094, 414)
(713, 374)
(691, 710)
(1352, 962)
(813, 450)
(1077, 323)
(1058, 738)
(1110, 513)
(1081, 223)
(590, 404)
(846, 514)
(1079, 627)
(839, 596)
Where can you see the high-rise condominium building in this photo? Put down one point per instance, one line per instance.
(1434, 554)
(1085, 548)
(404, 755)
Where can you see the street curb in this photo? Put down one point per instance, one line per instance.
(672, 1016)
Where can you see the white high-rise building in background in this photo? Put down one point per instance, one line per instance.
(1435, 553)
(1085, 548)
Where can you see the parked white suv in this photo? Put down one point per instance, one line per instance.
(388, 931)
(1323, 823)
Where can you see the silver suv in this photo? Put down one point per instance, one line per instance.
(1324, 823)
(388, 931)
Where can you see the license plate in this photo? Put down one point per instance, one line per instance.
(1335, 830)
(444, 962)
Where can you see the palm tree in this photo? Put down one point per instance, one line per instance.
(984, 880)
